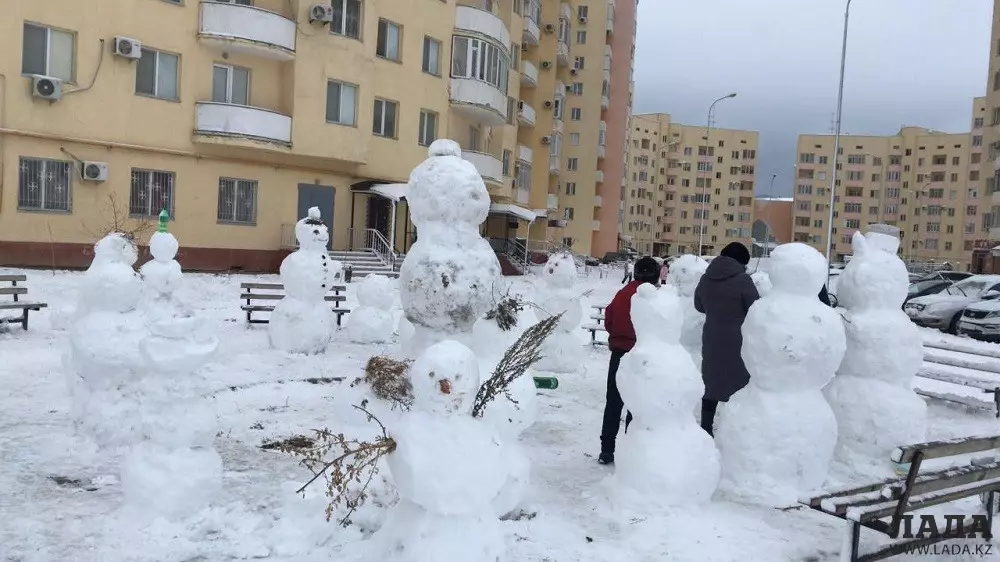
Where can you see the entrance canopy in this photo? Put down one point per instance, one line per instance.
(513, 211)
(391, 191)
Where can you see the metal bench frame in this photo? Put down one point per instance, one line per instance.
(247, 294)
(14, 290)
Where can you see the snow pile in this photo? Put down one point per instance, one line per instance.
(302, 322)
(685, 273)
(664, 458)
(777, 435)
(873, 387)
(561, 351)
(372, 321)
(762, 281)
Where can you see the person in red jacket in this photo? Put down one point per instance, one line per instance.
(621, 339)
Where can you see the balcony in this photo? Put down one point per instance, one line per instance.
(529, 74)
(482, 22)
(489, 167)
(552, 202)
(247, 29)
(599, 177)
(562, 53)
(530, 34)
(224, 120)
(525, 114)
(524, 153)
(554, 166)
(557, 126)
(595, 226)
(565, 11)
(600, 152)
(605, 101)
(522, 196)
(598, 201)
(478, 101)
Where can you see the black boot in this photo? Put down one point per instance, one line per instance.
(606, 458)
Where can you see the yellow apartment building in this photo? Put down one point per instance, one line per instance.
(925, 182)
(236, 116)
(984, 258)
(682, 190)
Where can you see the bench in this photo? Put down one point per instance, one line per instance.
(24, 306)
(886, 505)
(599, 308)
(251, 292)
(593, 329)
(964, 369)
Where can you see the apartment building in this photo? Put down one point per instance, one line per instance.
(236, 116)
(682, 191)
(984, 258)
(925, 182)
(772, 224)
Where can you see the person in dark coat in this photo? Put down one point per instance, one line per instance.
(621, 339)
(724, 295)
(824, 296)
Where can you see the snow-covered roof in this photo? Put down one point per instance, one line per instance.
(775, 198)
(393, 191)
(514, 210)
(625, 237)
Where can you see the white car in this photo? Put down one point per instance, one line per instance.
(944, 310)
(981, 320)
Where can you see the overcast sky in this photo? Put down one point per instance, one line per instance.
(909, 62)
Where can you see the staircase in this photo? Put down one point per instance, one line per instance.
(365, 262)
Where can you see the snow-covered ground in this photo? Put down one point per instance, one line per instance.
(262, 394)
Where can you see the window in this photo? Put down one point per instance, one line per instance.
(574, 139)
(568, 213)
(44, 185)
(341, 103)
(578, 62)
(577, 88)
(156, 75)
(387, 42)
(575, 114)
(978, 123)
(428, 127)
(384, 118)
(479, 60)
(432, 56)
(570, 188)
(230, 84)
(152, 191)
(572, 163)
(48, 52)
(582, 11)
(237, 201)
(581, 37)
(346, 18)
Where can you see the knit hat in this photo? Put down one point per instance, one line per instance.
(647, 270)
(738, 252)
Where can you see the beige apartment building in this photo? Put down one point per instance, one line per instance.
(985, 259)
(236, 116)
(925, 182)
(681, 189)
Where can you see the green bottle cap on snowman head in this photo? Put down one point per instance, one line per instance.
(164, 218)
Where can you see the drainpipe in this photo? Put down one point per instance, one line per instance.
(392, 234)
(3, 137)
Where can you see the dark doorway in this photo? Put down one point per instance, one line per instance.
(379, 215)
(321, 196)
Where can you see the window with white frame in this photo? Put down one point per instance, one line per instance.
(384, 118)
(564, 30)
(341, 103)
(577, 88)
(582, 11)
(387, 44)
(44, 185)
(237, 201)
(346, 18)
(48, 52)
(152, 191)
(575, 114)
(574, 139)
(568, 213)
(578, 62)
(557, 105)
(230, 84)
(571, 188)
(581, 37)
(156, 74)
(572, 163)
(479, 60)
(432, 57)
(428, 127)
(522, 175)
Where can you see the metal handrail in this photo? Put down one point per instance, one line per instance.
(371, 240)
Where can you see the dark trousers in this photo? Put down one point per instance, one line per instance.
(613, 406)
(627, 278)
(708, 407)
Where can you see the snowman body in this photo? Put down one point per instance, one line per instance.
(302, 322)
(557, 295)
(665, 458)
(162, 277)
(777, 435)
(873, 387)
(372, 320)
(685, 273)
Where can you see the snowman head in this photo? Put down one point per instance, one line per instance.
(376, 291)
(447, 190)
(656, 314)
(685, 272)
(798, 269)
(116, 247)
(311, 232)
(560, 270)
(445, 379)
(875, 278)
(163, 246)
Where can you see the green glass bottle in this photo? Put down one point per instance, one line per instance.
(164, 218)
(546, 383)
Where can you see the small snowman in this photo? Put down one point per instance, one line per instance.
(561, 351)
(777, 435)
(372, 320)
(302, 322)
(665, 458)
(162, 275)
(447, 467)
(874, 385)
(685, 273)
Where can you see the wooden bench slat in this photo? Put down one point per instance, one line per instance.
(946, 448)
(975, 379)
(967, 401)
(887, 508)
(963, 347)
(281, 287)
(971, 361)
(944, 479)
(839, 505)
(265, 297)
(265, 308)
(815, 502)
(22, 305)
(10, 278)
(13, 290)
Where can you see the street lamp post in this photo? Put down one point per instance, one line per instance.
(704, 182)
(767, 224)
(836, 141)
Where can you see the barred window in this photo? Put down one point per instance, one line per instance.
(44, 185)
(237, 201)
(151, 192)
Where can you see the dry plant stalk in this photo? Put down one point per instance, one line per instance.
(516, 361)
(505, 310)
(388, 380)
(117, 219)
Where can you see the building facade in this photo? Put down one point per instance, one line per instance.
(985, 258)
(682, 191)
(236, 116)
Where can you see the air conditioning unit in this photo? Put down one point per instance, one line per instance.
(574, 71)
(46, 87)
(546, 140)
(583, 19)
(549, 28)
(546, 64)
(322, 13)
(128, 48)
(548, 104)
(94, 171)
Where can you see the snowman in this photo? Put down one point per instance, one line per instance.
(302, 322)
(873, 387)
(560, 351)
(685, 273)
(446, 278)
(777, 435)
(447, 466)
(665, 458)
(162, 275)
(372, 320)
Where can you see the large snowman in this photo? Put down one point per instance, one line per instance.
(372, 321)
(777, 435)
(302, 322)
(664, 458)
(561, 350)
(685, 273)
(873, 387)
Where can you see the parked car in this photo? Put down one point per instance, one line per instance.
(949, 275)
(981, 320)
(927, 287)
(944, 310)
